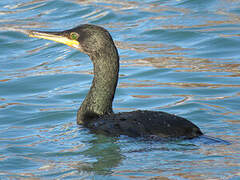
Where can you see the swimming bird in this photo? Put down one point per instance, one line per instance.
(96, 111)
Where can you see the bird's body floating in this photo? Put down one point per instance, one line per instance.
(96, 111)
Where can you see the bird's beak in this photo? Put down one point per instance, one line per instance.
(54, 36)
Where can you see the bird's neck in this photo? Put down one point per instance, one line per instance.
(99, 99)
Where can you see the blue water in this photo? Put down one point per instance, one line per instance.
(178, 56)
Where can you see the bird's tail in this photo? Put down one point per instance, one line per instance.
(210, 139)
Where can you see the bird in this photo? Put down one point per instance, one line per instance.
(96, 112)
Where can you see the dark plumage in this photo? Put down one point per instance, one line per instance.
(144, 124)
(96, 111)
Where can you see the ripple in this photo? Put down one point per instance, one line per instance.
(176, 56)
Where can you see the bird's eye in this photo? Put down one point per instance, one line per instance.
(74, 35)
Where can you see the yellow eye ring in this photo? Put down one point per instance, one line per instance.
(74, 35)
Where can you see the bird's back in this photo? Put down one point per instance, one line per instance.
(145, 124)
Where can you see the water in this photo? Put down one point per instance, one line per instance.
(179, 56)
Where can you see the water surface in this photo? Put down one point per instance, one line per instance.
(178, 56)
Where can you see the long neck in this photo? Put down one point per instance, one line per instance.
(100, 96)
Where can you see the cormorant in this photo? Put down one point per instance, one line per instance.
(96, 111)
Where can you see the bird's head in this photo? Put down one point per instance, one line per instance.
(89, 39)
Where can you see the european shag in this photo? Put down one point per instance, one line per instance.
(96, 111)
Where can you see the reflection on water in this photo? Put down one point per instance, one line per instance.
(179, 56)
